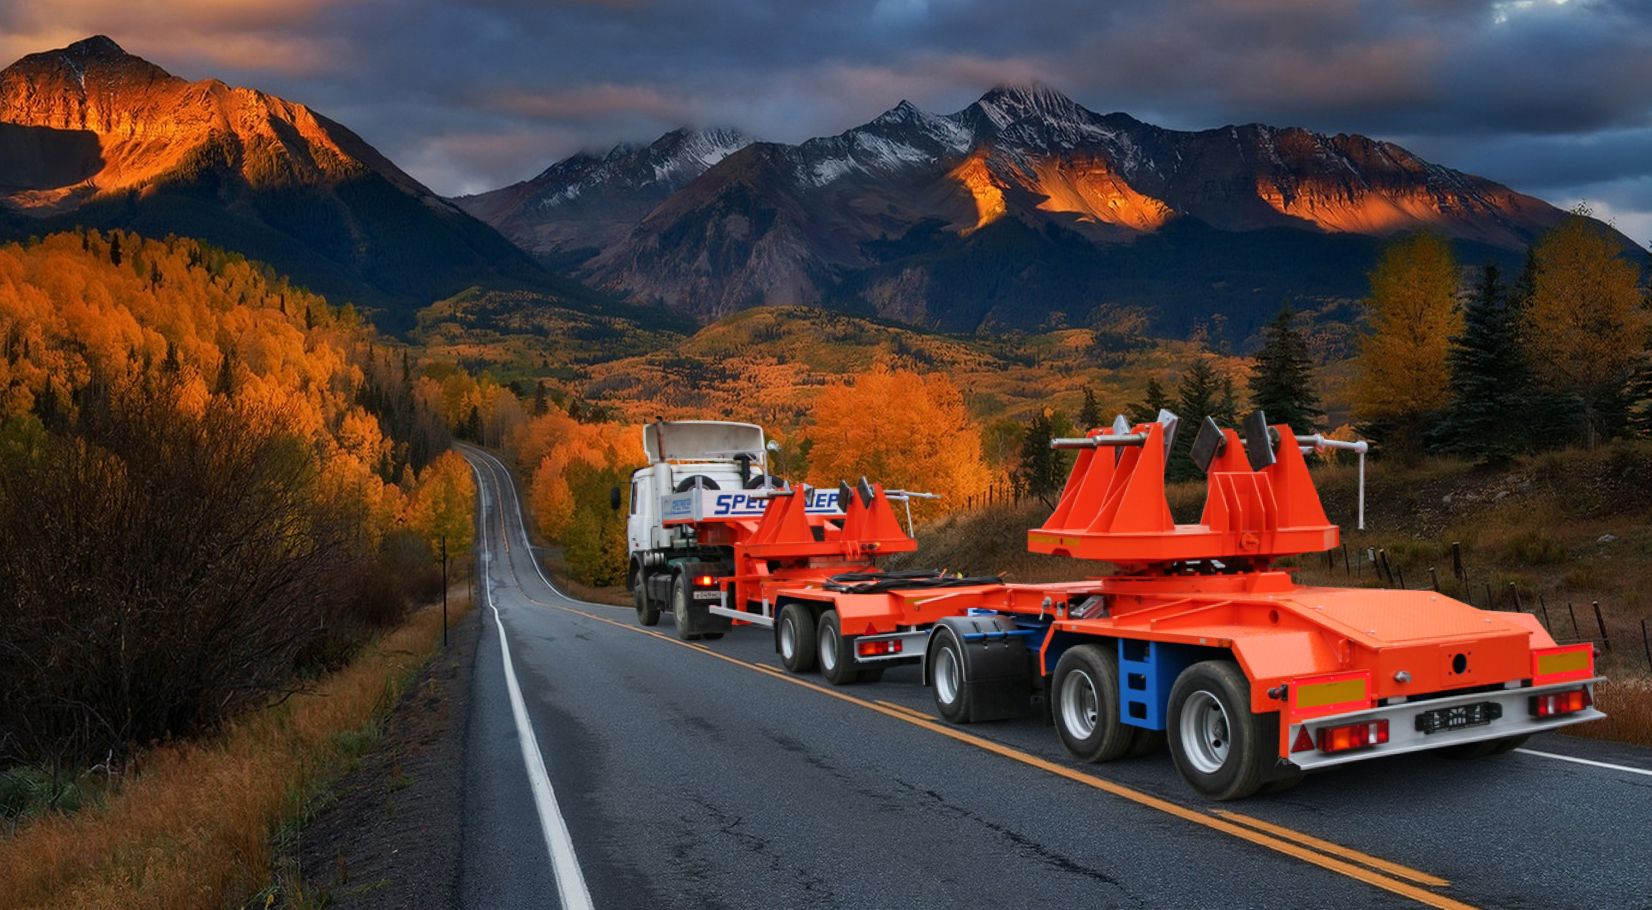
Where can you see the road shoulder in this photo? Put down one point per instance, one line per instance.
(388, 834)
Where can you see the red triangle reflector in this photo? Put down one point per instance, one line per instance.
(1303, 743)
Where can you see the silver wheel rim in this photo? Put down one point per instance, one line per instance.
(828, 647)
(788, 638)
(1080, 707)
(946, 675)
(1206, 732)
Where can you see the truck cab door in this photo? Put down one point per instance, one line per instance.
(638, 522)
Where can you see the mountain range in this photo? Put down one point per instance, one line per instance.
(1021, 209)
(92, 135)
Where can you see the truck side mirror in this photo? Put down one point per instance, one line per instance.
(614, 498)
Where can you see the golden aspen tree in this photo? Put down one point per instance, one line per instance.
(1402, 378)
(1585, 324)
(901, 429)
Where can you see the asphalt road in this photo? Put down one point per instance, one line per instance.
(702, 775)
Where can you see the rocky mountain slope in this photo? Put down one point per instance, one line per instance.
(585, 201)
(90, 134)
(1025, 210)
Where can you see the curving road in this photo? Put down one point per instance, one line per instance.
(615, 767)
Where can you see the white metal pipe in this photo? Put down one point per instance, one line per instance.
(1094, 442)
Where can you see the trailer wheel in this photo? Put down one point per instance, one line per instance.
(679, 607)
(837, 663)
(1087, 704)
(647, 613)
(795, 634)
(1215, 740)
(947, 671)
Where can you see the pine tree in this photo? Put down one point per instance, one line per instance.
(114, 248)
(1486, 419)
(1638, 394)
(1089, 416)
(1282, 380)
(540, 405)
(1040, 470)
(1154, 400)
(226, 375)
(1201, 393)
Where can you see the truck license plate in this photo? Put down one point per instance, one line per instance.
(707, 595)
(1456, 718)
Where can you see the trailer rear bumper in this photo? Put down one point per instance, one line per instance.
(1405, 722)
(890, 647)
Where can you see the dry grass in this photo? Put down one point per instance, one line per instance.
(1627, 701)
(192, 828)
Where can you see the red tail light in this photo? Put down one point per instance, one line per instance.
(1347, 737)
(705, 581)
(1555, 704)
(878, 648)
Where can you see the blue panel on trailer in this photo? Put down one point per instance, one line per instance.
(1147, 670)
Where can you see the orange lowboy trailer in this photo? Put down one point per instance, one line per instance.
(1197, 638)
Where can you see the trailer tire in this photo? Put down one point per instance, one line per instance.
(647, 613)
(794, 637)
(1218, 744)
(679, 606)
(1087, 704)
(947, 668)
(837, 662)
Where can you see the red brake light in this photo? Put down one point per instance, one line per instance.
(704, 581)
(1347, 737)
(1555, 704)
(878, 648)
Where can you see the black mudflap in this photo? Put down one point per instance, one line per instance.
(998, 667)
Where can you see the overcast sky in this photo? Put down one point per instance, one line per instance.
(1550, 96)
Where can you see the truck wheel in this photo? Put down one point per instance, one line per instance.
(837, 663)
(796, 635)
(947, 676)
(679, 607)
(647, 613)
(1087, 704)
(1215, 740)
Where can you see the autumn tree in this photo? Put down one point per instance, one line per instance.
(444, 504)
(1584, 325)
(1402, 383)
(901, 429)
(1487, 418)
(1282, 382)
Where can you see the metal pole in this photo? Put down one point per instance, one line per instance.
(444, 590)
(1601, 621)
(1576, 635)
(1646, 645)
(1361, 525)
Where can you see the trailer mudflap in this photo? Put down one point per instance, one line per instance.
(998, 666)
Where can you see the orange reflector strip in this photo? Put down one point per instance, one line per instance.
(1551, 665)
(1318, 695)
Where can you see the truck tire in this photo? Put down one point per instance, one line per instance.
(837, 662)
(679, 606)
(647, 613)
(1220, 747)
(1087, 704)
(947, 669)
(795, 635)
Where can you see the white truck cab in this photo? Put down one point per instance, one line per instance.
(686, 456)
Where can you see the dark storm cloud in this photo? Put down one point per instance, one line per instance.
(1553, 97)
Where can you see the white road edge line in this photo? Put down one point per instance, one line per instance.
(570, 879)
(1586, 761)
(523, 528)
